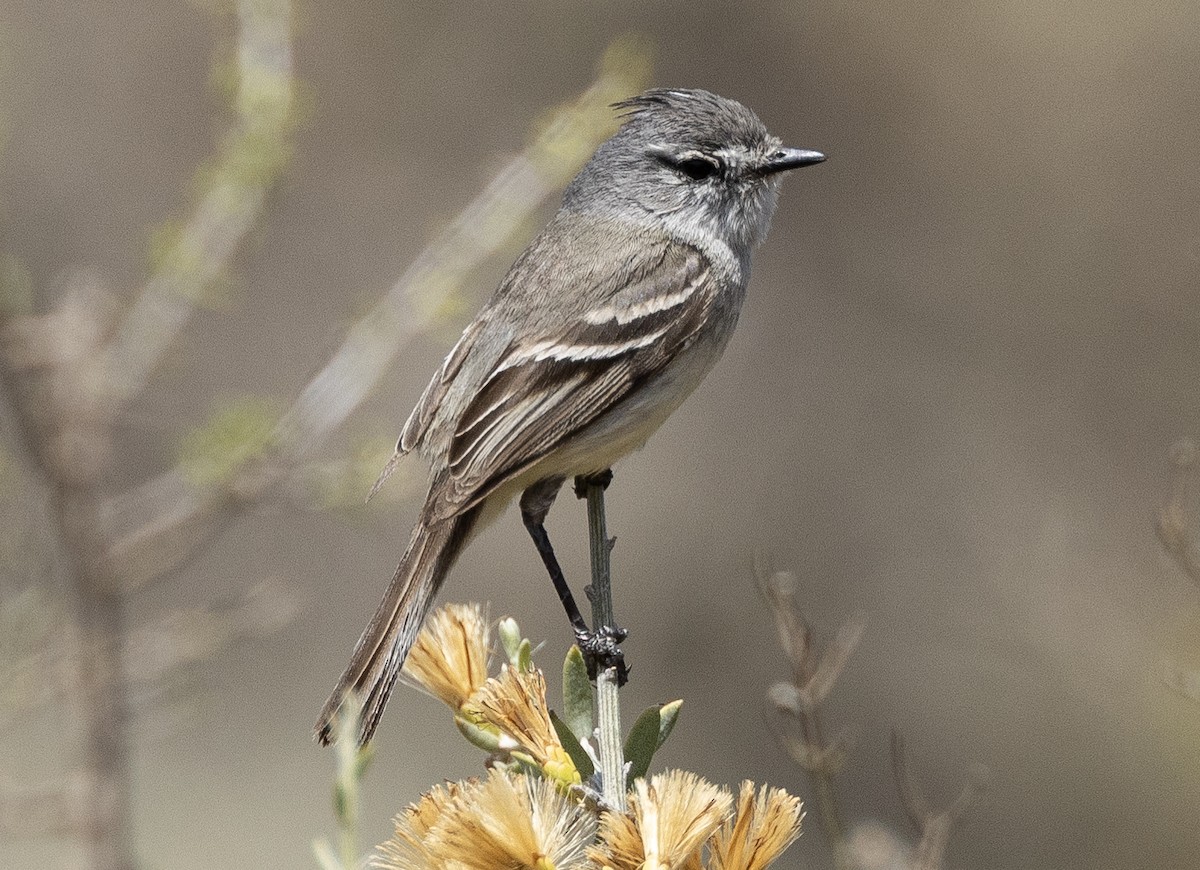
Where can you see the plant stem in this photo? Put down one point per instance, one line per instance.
(608, 708)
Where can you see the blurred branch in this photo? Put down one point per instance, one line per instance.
(799, 725)
(1184, 681)
(351, 762)
(174, 508)
(424, 293)
(934, 827)
(70, 370)
(1175, 527)
(252, 157)
(1176, 521)
(36, 667)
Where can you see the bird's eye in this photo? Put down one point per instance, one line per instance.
(697, 167)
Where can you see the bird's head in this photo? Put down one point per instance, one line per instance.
(703, 163)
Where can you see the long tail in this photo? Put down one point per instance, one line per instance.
(380, 652)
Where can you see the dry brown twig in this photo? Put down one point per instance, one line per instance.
(933, 826)
(1175, 525)
(797, 703)
(1176, 521)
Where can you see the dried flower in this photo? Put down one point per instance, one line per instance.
(515, 703)
(409, 847)
(669, 819)
(508, 820)
(517, 821)
(765, 825)
(450, 656)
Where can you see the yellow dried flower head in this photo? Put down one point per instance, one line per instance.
(515, 703)
(668, 821)
(409, 848)
(506, 821)
(513, 821)
(766, 824)
(449, 658)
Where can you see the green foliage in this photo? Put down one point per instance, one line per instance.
(578, 695)
(575, 727)
(579, 755)
(486, 738)
(517, 649)
(229, 188)
(648, 733)
(351, 762)
(237, 433)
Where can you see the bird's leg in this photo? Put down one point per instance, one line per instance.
(603, 650)
(535, 504)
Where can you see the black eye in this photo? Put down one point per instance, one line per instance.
(698, 168)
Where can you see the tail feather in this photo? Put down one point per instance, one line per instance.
(385, 642)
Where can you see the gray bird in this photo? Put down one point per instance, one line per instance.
(601, 328)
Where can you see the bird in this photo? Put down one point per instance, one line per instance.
(601, 328)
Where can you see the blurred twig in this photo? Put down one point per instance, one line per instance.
(1175, 527)
(351, 762)
(68, 373)
(236, 185)
(798, 706)
(933, 826)
(797, 703)
(1176, 519)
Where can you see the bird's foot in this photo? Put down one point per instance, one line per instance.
(601, 479)
(601, 650)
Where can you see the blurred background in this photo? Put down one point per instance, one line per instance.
(970, 343)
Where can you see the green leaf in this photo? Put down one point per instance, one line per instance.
(240, 431)
(525, 656)
(578, 697)
(642, 742)
(510, 638)
(649, 732)
(668, 715)
(579, 756)
(488, 741)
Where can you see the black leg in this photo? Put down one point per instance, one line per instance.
(600, 648)
(541, 540)
(535, 504)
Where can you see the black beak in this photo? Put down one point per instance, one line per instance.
(790, 158)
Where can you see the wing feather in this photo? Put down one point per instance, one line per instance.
(422, 415)
(544, 388)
